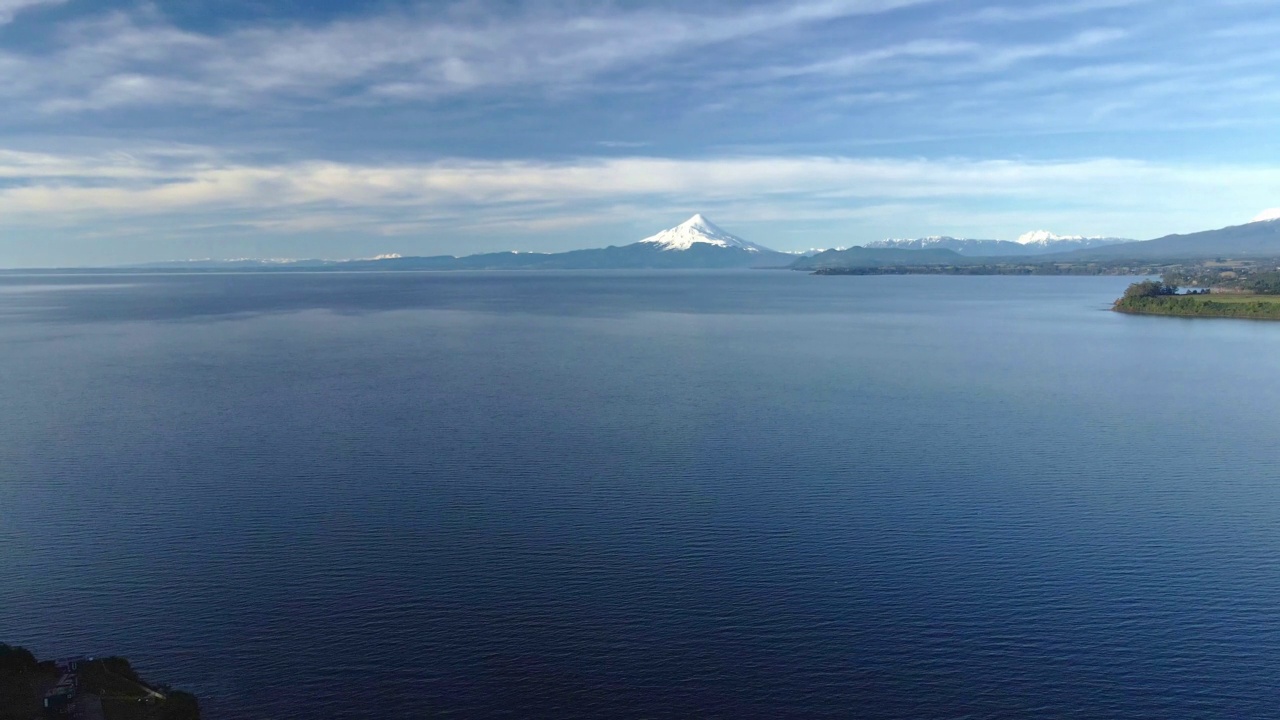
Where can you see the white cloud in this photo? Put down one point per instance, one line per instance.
(1148, 198)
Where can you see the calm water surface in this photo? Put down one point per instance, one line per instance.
(756, 494)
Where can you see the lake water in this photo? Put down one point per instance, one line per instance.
(740, 494)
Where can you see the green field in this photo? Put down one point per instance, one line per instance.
(1224, 305)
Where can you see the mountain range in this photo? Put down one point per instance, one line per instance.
(1257, 239)
(700, 243)
(695, 243)
(1039, 242)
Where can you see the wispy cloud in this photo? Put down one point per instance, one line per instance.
(1027, 12)
(949, 58)
(138, 58)
(876, 60)
(51, 189)
(532, 55)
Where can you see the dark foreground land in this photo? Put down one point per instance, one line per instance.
(105, 688)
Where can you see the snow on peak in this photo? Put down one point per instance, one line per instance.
(910, 242)
(701, 223)
(1044, 237)
(1267, 215)
(698, 229)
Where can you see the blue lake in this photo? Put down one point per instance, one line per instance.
(735, 494)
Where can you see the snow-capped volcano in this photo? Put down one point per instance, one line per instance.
(698, 229)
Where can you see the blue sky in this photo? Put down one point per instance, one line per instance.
(250, 128)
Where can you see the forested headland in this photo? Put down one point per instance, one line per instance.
(1256, 297)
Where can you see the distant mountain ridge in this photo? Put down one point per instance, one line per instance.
(697, 243)
(877, 257)
(1257, 239)
(1039, 242)
(1260, 238)
(970, 247)
(1054, 243)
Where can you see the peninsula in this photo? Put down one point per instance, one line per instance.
(1248, 298)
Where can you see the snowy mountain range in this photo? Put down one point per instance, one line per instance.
(1039, 242)
(965, 246)
(1259, 238)
(1061, 243)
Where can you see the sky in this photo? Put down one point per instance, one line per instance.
(143, 131)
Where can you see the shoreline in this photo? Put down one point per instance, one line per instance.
(1229, 306)
(1188, 316)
